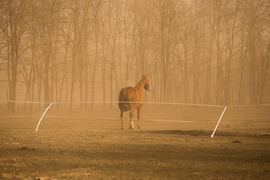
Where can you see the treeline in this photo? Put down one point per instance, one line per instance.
(195, 51)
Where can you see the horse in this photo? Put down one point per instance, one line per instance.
(131, 98)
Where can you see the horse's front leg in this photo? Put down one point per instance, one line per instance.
(131, 125)
(122, 121)
(139, 109)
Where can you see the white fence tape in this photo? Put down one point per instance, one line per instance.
(116, 102)
(161, 103)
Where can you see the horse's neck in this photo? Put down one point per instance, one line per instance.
(140, 85)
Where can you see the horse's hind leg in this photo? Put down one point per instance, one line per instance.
(122, 121)
(139, 116)
(131, 125)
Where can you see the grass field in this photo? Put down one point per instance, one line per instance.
(174, 143)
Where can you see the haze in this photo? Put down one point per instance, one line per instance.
(195, 51)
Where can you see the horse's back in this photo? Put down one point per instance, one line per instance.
(127, 94)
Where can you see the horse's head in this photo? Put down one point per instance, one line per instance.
(147, 85)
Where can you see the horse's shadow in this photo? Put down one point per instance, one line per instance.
(179, 132)
(202, 133)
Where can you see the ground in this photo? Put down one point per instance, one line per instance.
(174, 143)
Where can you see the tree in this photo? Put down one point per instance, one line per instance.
(13, 27)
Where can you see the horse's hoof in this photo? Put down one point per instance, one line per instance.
(131, 128)
(139, 127)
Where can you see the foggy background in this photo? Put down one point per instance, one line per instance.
(195, 51)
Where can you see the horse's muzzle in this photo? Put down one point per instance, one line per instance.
(148, 87)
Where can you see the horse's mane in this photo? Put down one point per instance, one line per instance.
(141, 81)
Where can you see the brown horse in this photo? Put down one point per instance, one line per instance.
(131, 98)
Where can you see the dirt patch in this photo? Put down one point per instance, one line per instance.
(107, 154)
(96, 148)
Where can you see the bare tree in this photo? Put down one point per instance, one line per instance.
(13, 27)
(196, 51)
